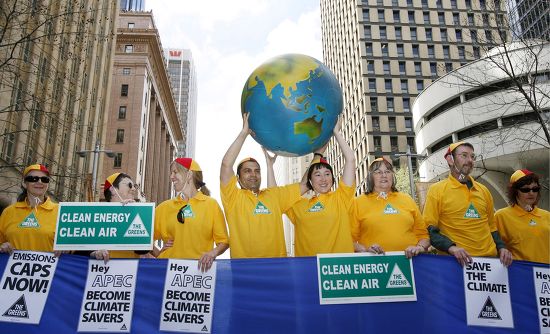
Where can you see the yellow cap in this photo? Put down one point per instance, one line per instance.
(189, 164)
(519, 174)
(110, 180)
(39, 167)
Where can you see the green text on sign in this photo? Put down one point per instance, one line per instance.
(90, 226)
(360, 278)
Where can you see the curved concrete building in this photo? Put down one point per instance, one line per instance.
(479, 103)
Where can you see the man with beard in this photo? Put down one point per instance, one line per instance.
(459, 212)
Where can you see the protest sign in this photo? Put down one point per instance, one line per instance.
(108, 299)
(25, 286)
(188, 299)
(113, 226)
(541, 277)
(487, 293)
(365, 278)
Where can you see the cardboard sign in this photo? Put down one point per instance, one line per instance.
(112, 226)
(25, 286)
(365, 278)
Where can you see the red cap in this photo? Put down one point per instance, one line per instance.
(189, 163)
(39, 167)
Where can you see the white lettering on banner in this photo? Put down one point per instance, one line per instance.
(76, 217)
(111, 217)
(77, 232)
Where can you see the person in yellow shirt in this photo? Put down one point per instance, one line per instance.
(254, 216)
(524, 227)
(459, 212)
(192, 222)
(385, 219)
(322, 222)
(29, 224)
(118, 187)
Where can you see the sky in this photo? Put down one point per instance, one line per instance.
(228, 40)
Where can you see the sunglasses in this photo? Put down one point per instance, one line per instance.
(181, 215)
(34, 179)
(526, 190)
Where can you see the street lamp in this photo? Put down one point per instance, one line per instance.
(409, 163)
(96, 152)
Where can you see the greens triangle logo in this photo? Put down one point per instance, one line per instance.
(18, 309)
(532, 223)
(123, 328)
(489, 311)
(471, 212)
(30, 222)
(397, 279)
(204, 329)
(261, 209)
(316, 207)
(188, 212)
(390, 210)
(136, 228)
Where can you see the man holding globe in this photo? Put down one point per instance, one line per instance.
(254, 215)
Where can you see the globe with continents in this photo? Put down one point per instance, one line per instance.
(294, 101)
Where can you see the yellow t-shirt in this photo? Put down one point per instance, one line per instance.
(322, 223)
(203, 226)
(123, 254)
(466, 216)
(31, 229)
(255, 222)
(394, 223)
(526, 234)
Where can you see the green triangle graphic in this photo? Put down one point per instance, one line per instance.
(390, 210)
(261, 209)
(188, 212)
(316, 207)
(30, 222)
(136, 228)
(532, 223)
(471, 212)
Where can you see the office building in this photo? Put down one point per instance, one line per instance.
(385, 52)
(183, 78)
(529, 19)
(143, 126)
(132, 5)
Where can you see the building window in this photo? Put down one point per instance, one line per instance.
(385, 50)
(477, 53)
(415, 51)
(471, 19)
(389, 104)
(377, 143)
(119, 136)
(473, 36)
(485, 18)
(391, 122)
(429, 34)
(413, 33)
(400, 50)
(431, 52)
(410, 143)
(131, 25)
(402, 68)
(373, 104)
(482, 4)
(387, 85)
(441, 18)
(396, 17)
(468, 3)
(433, 68)
(424, 3)
(386, 66)
(129, 48)
(443, 33)
(446, 51)
(419, 85)
(366, 16)
(489, 36)
(461, 52)
(124, 90)
(411, 16)
(448, 67)
(383, 33)
(122, 112)
(372, 85)
(453, 4)
(375, 123)
(408, 123)
(369, 49)
(394, 144)
(406, 104)
(118, 160)
(417, 68)
(398, 34)
(126, 71)
(368, 32)
(404, 86)
(370, 67)
(459, 35)
(456, 19)
(427, 17)
(380, 15)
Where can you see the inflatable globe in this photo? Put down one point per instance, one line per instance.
(294, 102)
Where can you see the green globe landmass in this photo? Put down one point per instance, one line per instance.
(310, 127)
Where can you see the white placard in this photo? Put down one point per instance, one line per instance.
(108, 299)
(541, 278)
(25, 286)
(188, 300)
(487, 293)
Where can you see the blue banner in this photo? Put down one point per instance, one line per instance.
(282, 296)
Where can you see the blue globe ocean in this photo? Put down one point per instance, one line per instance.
(294, 101)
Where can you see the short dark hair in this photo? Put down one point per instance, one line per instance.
(107, 192)
(524, 181)
(465, 144)
(317, 166)
(240, 166)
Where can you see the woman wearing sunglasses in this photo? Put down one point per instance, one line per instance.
(385, 219)
(29, 224)
(192, 222)
(523, 226)
(120, 188)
